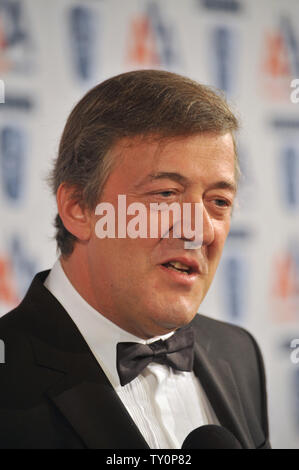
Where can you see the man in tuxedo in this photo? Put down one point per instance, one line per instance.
(107, 349)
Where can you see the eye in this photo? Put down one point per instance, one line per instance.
(222, 203)
(166, 193)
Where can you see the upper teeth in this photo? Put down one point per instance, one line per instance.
(178, 265)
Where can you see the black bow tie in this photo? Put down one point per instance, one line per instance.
(176, 351)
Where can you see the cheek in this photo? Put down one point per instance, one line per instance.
(122, 255)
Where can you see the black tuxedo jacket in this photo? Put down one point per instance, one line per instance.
(54, 394)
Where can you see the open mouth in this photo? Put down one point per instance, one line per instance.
(179, 267)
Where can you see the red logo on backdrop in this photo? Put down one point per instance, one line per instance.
(285, 287)
(142, 48)
(280, 60)
(8, 289)
(152, 40)
(276, 62)
(16, 272)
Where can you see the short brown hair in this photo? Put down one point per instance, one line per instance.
(142, 102)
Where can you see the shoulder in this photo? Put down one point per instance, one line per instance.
(16, 341)
(238, 348)
(19, 318)
(222, 336)
(18, 326)
(39, 318)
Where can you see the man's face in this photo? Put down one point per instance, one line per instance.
(133, 281)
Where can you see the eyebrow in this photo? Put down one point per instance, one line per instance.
(225, 184)
(163, 175)
(230, 185)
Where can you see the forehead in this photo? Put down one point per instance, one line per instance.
(204, 155)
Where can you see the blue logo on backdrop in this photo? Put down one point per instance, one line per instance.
(12, 160)
(234, 279)
(164, 35)
(83, 29)
(224, 66)
(15, 44)
(240, 233)
(222, 5)
(292, 44)
(285, 124)
(290, 176)
(24, 267)
(247, 187)
(17, 103)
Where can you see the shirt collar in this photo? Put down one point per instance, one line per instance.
(100, 334)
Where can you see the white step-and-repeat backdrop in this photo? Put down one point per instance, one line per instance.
(51, 52)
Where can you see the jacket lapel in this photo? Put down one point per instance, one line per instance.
(86, 398)
(217, 379)
(77, 385)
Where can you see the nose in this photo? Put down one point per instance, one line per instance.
(195, 226)
(208, 233)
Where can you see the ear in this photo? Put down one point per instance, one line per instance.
(74, 216)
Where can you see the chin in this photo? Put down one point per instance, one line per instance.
(163, 315)
(177, 320)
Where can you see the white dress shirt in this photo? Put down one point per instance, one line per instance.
(166, 405)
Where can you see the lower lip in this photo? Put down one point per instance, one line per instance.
(179, 277)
